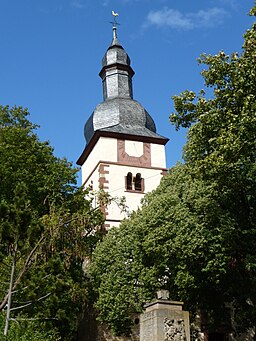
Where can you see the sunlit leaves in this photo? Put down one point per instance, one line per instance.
(47, 226)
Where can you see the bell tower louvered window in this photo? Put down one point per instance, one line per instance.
(134, 183)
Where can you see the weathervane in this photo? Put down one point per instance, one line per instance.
(115, 15)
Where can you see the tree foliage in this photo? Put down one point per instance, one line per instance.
(22, 330)
(195, 234)
(47, 227)
(183, 240)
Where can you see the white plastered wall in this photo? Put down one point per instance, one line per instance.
(116, 177)
(106, 150)
(158, 158)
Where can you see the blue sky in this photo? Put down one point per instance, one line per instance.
(51, 53)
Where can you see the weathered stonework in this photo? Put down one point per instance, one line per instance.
(164, 320)
(174, 329)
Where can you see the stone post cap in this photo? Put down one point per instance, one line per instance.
(163, 294)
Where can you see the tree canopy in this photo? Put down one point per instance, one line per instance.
(47, 228)
(195, 234)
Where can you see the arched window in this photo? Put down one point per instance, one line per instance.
(137, 183)
(129, 181)
(134, 183)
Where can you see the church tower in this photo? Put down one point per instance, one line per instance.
(124, 155)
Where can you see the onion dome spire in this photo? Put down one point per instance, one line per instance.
(119, 114)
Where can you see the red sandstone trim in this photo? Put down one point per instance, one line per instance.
(143, 160)
(163, 170)
(102, 184)
(88, 148)
(133, 191)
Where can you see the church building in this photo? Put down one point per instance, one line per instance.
(124, 155)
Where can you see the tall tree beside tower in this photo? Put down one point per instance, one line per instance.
(47, 228)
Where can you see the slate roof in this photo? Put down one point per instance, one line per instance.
(121, 115)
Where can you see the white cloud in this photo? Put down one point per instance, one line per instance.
(208, 18)
(234, 4)
(169, 17)
(77, 4)
(186, 21)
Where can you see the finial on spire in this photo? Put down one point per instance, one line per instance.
(114, 23)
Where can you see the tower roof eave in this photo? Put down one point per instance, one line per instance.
(118, 66)
(116, 133)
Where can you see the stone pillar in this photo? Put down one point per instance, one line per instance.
(164, 320)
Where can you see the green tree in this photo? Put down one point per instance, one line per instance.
(26, 330)
(47, 227)
(195, 234)
(182, 239)
(221, 148)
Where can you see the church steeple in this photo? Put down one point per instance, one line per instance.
(119, 114)
(116, 72)
(124, 155)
